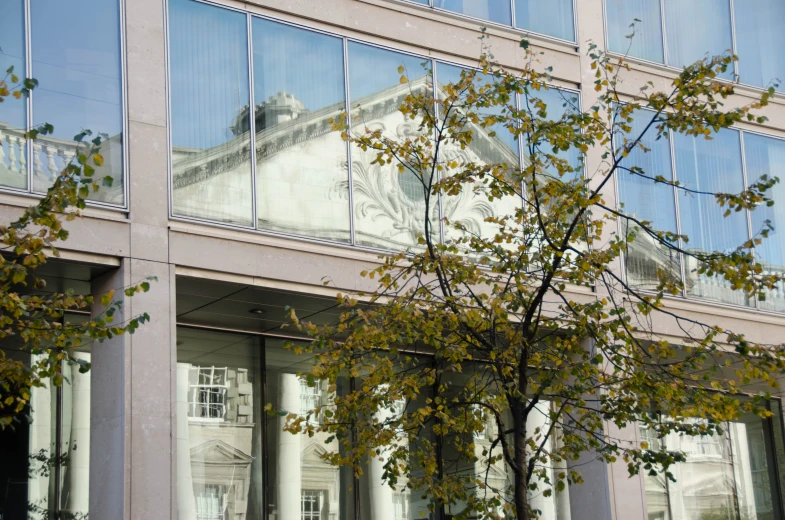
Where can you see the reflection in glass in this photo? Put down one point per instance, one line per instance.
(493, 10)
(724, 476)
(460, 388)
(389, 207)
(648, 201)
(211, 142)
(302, 484)
(13, 161)
(219, 434)
(558, 103)
(554, 18)
(647, 41)
(760, 41)
(766, 156)
(708, 167)
(471, 207)
(301, 170)
(697, 29)
(29, 451)
(79, 86)
(378, 500)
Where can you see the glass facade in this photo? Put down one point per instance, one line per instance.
(702, 167)
(724, 477)
(45, 469)
(678, 33)
(79, 88)
(554, 18)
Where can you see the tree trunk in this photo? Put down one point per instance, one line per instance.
(519, 445)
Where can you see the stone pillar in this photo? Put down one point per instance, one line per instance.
(288, 470)
(109, 441)
(133, 442)
(186, 506)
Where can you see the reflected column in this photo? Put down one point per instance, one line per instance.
(186, 506)
(288, 468)
(77, 482)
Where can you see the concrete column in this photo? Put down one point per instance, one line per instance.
(131, 465)
(288, 471)
(186, 506)
(77, 473)
(109, 440)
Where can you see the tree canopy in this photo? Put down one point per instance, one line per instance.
(528, 333)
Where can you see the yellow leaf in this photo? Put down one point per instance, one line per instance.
(98, 159)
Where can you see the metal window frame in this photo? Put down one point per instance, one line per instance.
(352, 243)
(672, 68)
(29, 152)
(512, 26)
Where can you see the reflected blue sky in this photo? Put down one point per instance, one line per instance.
(76, 60)
(12, 42)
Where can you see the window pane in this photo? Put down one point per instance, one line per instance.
(29, 449)
(76, 60)
(646, 200)
(494, 10)
(219, 435)
(709, 166)
(13, 161)
(303, 485)
(766, 156)
(389, 208)
(471, 207)
(696, 29)
(726, 476)
(211, 142)
(554, 18)
(760, 41)
(647, 41)
(301, 169)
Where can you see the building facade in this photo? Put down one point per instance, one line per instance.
(230, 186)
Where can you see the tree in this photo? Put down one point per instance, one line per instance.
(480, 335)
(34, 319)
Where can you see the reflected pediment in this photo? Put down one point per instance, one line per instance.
(216, 451)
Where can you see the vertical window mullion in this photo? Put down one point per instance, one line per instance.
(664, 38)
(674, 177)
(348, 107)
(28, 60)
(434, 79)
(754, 303)
(733, 38)
(512, 12)
(252, 125)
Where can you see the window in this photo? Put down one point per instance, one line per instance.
(766, 156)
(701, 167)
(79, 88)
(211, 502)
(312, 505)
(723, 477)
(301, 172)
(261, 153)
(45, 469)
(219, 432)
(553, 18)
(310, 396)
(207, 393)
(677, 33)
(211, 146)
